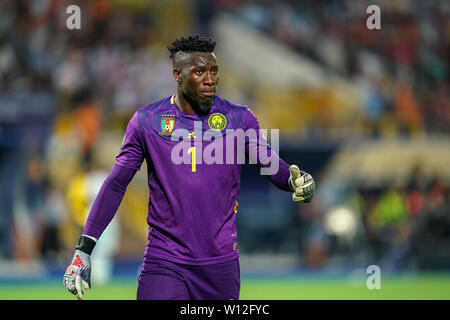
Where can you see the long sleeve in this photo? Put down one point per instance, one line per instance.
(108, 200)
(264, 156)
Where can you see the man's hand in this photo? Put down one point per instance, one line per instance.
(302, 183)
(77, 278)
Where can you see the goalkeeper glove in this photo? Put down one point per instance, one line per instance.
(302, 183)
(77, 278)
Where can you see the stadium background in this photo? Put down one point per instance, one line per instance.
(365, 111)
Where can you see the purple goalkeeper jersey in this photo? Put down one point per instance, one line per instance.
(192, 204)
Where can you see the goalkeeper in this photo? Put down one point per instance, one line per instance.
(192, 250)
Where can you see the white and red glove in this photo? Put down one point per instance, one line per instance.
(77, 278)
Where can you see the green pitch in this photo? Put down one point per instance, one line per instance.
(425, 286)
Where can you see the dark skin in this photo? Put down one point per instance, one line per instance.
(197, 75)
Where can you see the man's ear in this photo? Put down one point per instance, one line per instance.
(177, 75)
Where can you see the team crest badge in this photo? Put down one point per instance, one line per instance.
(217, 121)
(167, 124)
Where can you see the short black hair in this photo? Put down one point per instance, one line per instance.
(192, 44)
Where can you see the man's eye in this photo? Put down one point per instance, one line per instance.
(198, 71)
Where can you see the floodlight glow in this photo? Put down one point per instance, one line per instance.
(341, 221)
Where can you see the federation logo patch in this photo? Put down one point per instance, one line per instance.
(167, 124)
(191, 135)
(77, 262)
(217, 121)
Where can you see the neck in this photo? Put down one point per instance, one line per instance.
(182, 103)
(189, 105)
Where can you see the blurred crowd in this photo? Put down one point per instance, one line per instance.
(402, 72)
(402, 68)
(400, 226)
(62, 92)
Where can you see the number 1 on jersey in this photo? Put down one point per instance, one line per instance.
(192, 152)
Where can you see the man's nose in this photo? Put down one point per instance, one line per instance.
(210, 80)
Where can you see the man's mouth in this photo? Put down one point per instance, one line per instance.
(208, 93)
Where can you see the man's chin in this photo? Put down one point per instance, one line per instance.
(206, 106)
(201, 107)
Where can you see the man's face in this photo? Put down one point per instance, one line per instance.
(197, 74)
